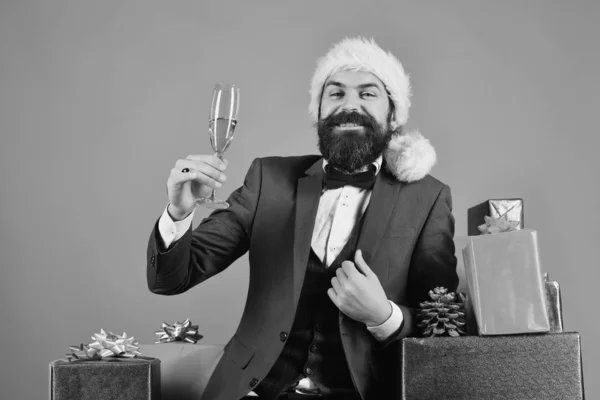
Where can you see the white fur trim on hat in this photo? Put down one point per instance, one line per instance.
(362, 54)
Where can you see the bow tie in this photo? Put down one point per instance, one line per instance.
(335, 179)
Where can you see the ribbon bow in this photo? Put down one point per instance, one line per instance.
(106, 345)
(335, 179)
(497, 225)
(178, 332)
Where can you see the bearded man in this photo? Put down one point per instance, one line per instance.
(342, 246)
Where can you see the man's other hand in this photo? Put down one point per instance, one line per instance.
(357, 292)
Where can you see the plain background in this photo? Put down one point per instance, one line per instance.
(99, 99)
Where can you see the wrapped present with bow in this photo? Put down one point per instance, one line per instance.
(186, 365)
(510, 210)
(506, 288)
(504, 339)
(110, 367)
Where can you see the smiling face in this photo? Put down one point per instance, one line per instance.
(355, 90)
(354, 119)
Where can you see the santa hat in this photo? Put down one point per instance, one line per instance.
(409, 156)
(362, 54)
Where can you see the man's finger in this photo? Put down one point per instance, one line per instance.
(210, 160)
(341, 275)
(336, 285)
(186, 166)
(179, 178)
(361, 264)
(206, 168)
(333, 296)
(350, 269)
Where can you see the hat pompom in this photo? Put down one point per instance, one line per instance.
(410, 156)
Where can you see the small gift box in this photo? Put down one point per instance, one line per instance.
(506, 290)
(510, 209)
(541, 366)
(108, 368)
(554, 303)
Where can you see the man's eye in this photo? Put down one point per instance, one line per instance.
(368, 94)
(335, 94)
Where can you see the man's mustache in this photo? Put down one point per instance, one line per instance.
(350, 118)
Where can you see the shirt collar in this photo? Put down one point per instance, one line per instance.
(376, 163)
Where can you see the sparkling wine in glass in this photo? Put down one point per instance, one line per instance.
(222, 121)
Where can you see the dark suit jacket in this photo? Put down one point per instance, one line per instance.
(407, 240)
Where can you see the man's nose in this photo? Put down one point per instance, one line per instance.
(349, 108)
(350, 103)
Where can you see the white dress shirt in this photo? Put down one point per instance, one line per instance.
(339, 210)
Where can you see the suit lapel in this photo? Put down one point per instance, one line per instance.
(308, 194)
(378, 214)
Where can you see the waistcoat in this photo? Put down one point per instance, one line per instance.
(314, 348)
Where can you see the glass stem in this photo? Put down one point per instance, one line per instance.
(212, 194)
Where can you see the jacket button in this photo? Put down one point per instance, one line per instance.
(313, 348)
(283, 336)
(253, 382)
(152, 260)
(308, 371)
(318, 327)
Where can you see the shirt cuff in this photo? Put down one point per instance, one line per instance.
(391, 325)
(171, 231)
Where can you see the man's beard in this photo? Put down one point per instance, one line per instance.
(351, 150)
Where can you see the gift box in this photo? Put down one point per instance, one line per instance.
(511, 209)
(554, 305)
(540, 366)
(506, 290)
(113, 378)
(185, 367)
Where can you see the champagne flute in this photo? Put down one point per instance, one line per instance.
(222, 121)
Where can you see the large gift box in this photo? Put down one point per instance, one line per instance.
(536, 366)
(185, 367)
(506, 289)
(113, 378)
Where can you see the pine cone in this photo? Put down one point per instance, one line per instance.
(443, 316)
